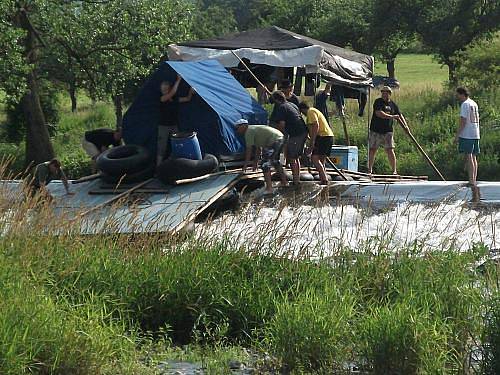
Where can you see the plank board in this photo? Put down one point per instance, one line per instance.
(144, 212)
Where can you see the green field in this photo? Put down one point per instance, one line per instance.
(416, 71)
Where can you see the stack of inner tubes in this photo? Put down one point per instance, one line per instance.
(175, 169)
(126, 164)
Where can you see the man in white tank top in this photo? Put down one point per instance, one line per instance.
(468, 132)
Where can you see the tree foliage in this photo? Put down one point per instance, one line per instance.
(479, 69)
(100, 45)
(449, 26)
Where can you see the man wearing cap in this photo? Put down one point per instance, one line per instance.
(385, 111)
(290, 122)
(269, 142)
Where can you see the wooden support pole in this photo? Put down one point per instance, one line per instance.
(249, 71)
(346, 134)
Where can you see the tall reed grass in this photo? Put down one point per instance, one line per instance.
(71, 303)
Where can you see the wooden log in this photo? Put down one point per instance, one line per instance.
(91, 177)
(122, 195)
(118, 191)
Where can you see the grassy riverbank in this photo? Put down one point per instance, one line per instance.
(121, 304)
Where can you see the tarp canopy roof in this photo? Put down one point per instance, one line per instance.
(278, 47)
(219, 102)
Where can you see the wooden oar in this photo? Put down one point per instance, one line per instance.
(249, 71)
(87, 178)
(424, 154)
(336, 169)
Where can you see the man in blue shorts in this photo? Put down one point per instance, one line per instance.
(268, 143)
(468, 133)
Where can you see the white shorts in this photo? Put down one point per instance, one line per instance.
(90, 148)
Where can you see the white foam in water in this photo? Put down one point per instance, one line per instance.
(320, 231)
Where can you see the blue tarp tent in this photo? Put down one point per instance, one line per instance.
(220, 101)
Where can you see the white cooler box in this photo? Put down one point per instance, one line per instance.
(345, 157)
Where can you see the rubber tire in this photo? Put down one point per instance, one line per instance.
(172, 170)
(339, 178)
(127, 159)
(276, 176)
(306, 176)
(316, 177)
(130, 178)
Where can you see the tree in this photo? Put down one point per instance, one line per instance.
(131, 40)
(390, 30)
(26, 43)
(213, 20)
(480, 70)
(108, 43)
(346, 24)
(449, 26)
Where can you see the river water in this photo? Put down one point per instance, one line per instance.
(432, 215)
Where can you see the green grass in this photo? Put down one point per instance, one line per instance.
(118, 304)
(416, 71)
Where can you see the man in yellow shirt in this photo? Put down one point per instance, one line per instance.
(321, 138)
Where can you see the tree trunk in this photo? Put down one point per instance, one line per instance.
(118, 103)
(452, 76)
(72, 95)
(38, 145)
(391, 68)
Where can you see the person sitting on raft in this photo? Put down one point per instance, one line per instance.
(267, 140)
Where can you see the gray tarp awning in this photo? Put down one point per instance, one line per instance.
(281, 48)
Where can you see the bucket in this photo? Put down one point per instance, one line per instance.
(185, 145)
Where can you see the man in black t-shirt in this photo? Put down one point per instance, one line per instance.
(169, 115)
(286, 87)
(385, 111)
(289, 120)
(95, 142)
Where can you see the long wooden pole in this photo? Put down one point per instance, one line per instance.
(424, 154)
(346, 134)
(249, 71)
(125, 193)
(336, 169)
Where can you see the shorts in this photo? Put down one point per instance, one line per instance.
(90, 148)
(468, 146)
(323, 146)
(295, 146)
(271, 156)
(376, 140)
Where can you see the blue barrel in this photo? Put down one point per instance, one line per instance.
(185, 145)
